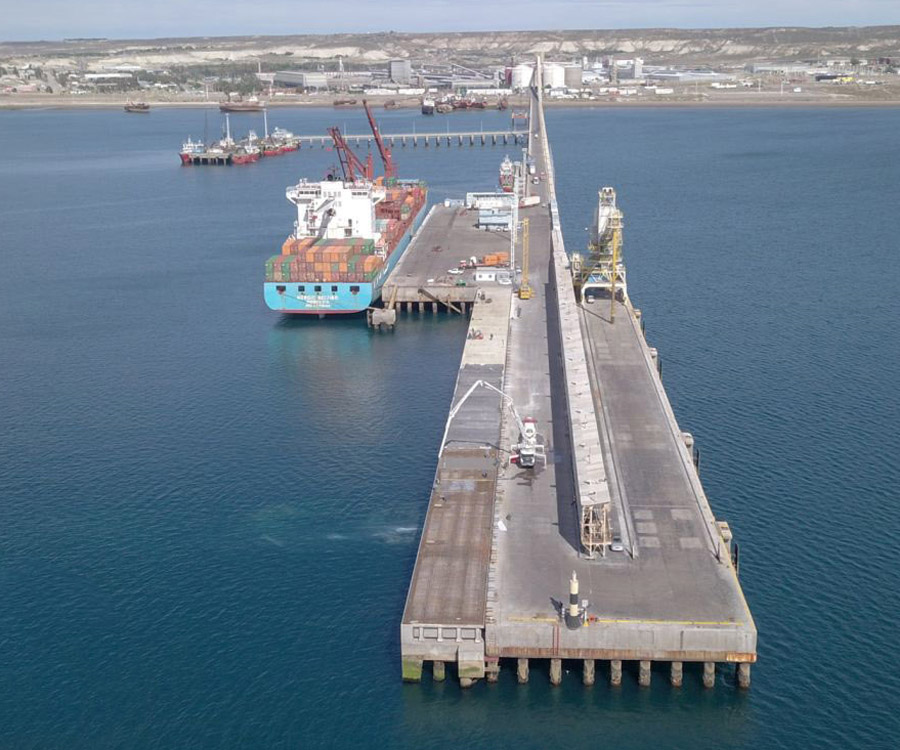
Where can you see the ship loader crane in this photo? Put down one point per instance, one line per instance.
(528, 450)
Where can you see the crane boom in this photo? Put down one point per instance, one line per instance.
(350, 162)
(384, 151)
(528, 446)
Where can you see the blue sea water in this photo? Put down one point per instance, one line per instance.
(209, 514)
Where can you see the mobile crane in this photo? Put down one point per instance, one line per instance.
(528, 450)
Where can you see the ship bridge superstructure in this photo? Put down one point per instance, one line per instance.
(601, 271)
(334, 209)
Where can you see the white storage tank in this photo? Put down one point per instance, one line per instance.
(521, 76)
(573, 76)
(554, 75)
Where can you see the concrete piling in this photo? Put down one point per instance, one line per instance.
(555, 671)
(439, 671)
(412, 670)
(589, 672)
(743, 675)
(677, 675)
(492, 670)
(644, 673)
(615, 672)
(522, 671)
(709, 674)
(466, 682)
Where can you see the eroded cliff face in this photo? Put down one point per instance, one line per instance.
(680, 46)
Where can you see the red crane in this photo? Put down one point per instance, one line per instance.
(350, 162)
(389, 169)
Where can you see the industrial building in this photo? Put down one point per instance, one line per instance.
(400, 71)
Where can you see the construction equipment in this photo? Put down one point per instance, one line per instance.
(350, 162)
(527, 451)
(389, 170)
(525, 291)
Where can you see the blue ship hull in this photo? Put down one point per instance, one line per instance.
(335, 297)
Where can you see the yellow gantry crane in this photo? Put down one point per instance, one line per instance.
(525, 291)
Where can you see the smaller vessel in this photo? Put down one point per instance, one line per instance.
(427, 106)
(245, 154)
(507, 175)
(190, 149)
(285, 139)
(131, 106)
(443, 108)
(345, 102)
(237, 104)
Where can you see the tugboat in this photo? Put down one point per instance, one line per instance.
(131, 106)
(427, 106)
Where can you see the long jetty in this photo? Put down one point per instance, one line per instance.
(507, 572)
(436, 139)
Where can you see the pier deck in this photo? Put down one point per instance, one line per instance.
(448, 236)
(445, 607)
(669, 589)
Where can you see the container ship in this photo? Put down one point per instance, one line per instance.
(349, 235)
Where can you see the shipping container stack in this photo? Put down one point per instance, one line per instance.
(349, 260)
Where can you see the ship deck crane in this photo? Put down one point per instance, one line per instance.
(350, 162)
(386, 158)
(526, 452)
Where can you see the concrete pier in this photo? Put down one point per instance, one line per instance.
(459, 138)
(555, 671)
(615, 672)
(501, 542)
(644, 673)
(522, 670)
(588, 674)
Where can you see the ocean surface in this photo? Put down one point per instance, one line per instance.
(209, 514)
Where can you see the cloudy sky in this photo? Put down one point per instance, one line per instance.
(56, 19)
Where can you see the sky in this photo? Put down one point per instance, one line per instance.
(130, 19)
